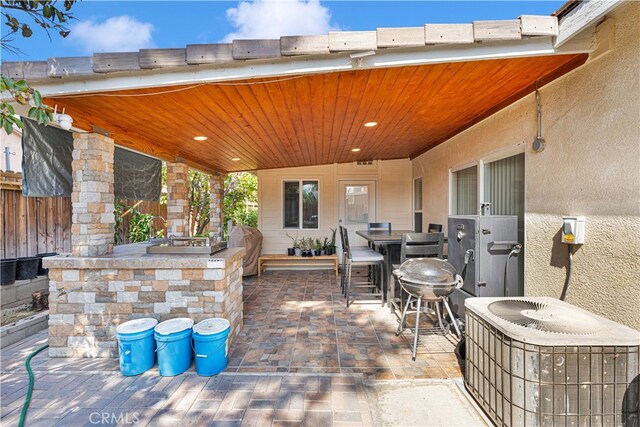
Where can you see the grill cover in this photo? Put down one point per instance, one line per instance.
(427, 271)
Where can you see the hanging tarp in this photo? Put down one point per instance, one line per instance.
(46, 166)
(46, 160)
(136, 176)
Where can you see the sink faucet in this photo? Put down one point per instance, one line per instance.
(151, 225)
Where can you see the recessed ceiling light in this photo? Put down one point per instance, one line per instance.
(370, 124)
(355, 150)
(200, 138)
(236, 159)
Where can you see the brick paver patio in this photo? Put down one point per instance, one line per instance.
(302, 358)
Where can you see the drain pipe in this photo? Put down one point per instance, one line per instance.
(567, 282)
(514, 251)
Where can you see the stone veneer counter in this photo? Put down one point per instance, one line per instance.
(90, 296)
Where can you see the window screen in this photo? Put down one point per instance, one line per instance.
(291, 208)
(309, 204)
(417, 205)
(465, 188)
(300, 204)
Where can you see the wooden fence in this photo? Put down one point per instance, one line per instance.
(154, 208)
(34, 225)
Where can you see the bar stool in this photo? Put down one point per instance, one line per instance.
(367, 258)
(355, 249)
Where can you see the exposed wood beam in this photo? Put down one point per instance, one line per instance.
(586, 14)
(290, 66)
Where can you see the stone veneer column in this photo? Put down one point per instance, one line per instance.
(177, 199)
(92, 219)
(216, 202)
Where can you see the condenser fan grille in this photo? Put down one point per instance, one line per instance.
(544, 317)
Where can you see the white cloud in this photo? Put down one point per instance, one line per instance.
(264, 19)
(116, 34)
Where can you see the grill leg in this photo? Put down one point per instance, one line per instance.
(415, 337)
(439, 316)
(403, 316)
(445, 301)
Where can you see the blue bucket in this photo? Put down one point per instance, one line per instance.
(210, 344)
(173, 339)
(136, 346)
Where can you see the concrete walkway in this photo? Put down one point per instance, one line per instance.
(302, 359)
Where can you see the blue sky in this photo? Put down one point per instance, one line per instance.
(127, 25)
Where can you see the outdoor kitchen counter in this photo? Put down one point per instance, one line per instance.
(135, 255)
(90, 296)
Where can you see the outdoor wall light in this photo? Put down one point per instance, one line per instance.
(63, 120)
(200, 138)
(370, 124)
(355, 150)
(236, 159)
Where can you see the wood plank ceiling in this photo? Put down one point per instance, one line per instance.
(314, 119)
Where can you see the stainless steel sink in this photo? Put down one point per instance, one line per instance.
(187, 246)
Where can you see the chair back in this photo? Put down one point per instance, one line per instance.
(379, 226)
(434, 228)
(341, 230)
(421, 245)
(346, 249)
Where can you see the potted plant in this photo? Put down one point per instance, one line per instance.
(325, 247)
(306, 245)
(317, 247)
(295, 246)
(332, 243)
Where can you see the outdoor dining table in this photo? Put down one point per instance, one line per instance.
(388, 244)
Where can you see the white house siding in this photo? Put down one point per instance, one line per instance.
(591, 167)
(393, 202)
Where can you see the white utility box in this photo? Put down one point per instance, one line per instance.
(573, 230)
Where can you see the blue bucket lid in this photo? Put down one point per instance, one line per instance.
(211, 326)
(173, 326)
(137, 325)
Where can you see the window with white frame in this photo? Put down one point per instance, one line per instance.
(417, 205)
(504, 186)
(300, 204)
(464, 187)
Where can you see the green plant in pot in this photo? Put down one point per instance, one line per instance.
(317, 247)
(332, 243)
(295, 246)
(306, 245)
(325, 246)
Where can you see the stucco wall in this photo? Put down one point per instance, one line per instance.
(14, 142)
(591, 167)
(393, 179)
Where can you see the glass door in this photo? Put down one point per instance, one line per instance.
(357, 207)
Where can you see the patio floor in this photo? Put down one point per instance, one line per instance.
(302, 358)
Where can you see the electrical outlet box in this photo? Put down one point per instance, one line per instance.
(573, 230)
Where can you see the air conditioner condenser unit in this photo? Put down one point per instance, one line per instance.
(538, 361)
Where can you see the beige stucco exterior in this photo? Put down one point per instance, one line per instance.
(590, 167)
(14, 142)
(393, 182)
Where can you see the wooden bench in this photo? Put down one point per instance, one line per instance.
(275, 260)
